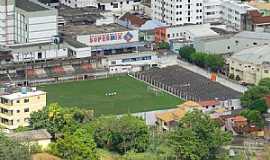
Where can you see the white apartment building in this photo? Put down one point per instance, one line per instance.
(119, 6)
(178, 12)
(234, 14)
(212, 11)
(26, 21)
(7, 9)
(78, 3)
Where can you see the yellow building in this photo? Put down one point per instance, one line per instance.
(251, 65)
(15, 107)
(167, 120)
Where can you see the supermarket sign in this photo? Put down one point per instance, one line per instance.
(109, 38)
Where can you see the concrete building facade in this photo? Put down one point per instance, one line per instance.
(178, 12)
(16, 107)
(26, 21)
(251, 65)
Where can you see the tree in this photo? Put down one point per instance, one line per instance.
(259, 105)
(265, 82)
(12, 150)
(215, 62)
(121, 134)
(164, 45)
(50, 118)
(79, 145)
(186, 52)
(252, 94)
(198, 137)
(57, 120)
(187, 145)
(199, 58)
(253, 116)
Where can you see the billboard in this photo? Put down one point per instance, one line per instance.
(109, 38)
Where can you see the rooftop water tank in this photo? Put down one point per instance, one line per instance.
(23, 90)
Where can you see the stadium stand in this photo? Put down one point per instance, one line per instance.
(41, 73)
(192, 83)
(58, 70)
(68, 69)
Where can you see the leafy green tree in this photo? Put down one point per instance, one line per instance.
(50, 118)
(79, 145)
(252, 94)
(186, 52)
(57, 120)
(215, 62)
(122, 134)
(199, 59)
(253, 116)
(198, 137)
(164, 45)
(265, 82)
(259, 105)
(187, 145)
(12, 150)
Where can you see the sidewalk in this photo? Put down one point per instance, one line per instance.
(202, 72)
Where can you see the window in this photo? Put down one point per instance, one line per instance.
(266, 71)
(26, 119)
(39, 55)
(115, 5)
(26, 109)
(18, 111)
(254, 43)
(26, 100)
(18, 101)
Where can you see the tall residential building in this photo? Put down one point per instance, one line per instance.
(7, 10)
(26, 21)
(234, 14)
(16, 107)
(212, 10)
(178, 12)
(119, 6)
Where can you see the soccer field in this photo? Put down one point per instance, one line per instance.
(115, 95)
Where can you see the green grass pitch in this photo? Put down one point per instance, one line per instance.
(131, 96)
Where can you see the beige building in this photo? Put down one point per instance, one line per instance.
(168, 120)
(251, 65)
(40, 137)
(15, 107)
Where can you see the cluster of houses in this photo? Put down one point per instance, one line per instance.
(226, 116)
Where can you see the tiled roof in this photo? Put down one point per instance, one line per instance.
(257, 18)
(179, 112)
(239, 119)
(209, 103)
(32, 135)
(133, 19)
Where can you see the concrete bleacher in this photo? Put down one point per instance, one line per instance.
(69, 69)
(187, 81)
(41, 73)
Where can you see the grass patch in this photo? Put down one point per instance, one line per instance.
(131, 96)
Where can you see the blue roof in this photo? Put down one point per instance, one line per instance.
(152, 24)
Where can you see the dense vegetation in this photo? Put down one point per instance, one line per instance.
(12, 150)
(210, 61)
(79, 137)
(254, 102)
